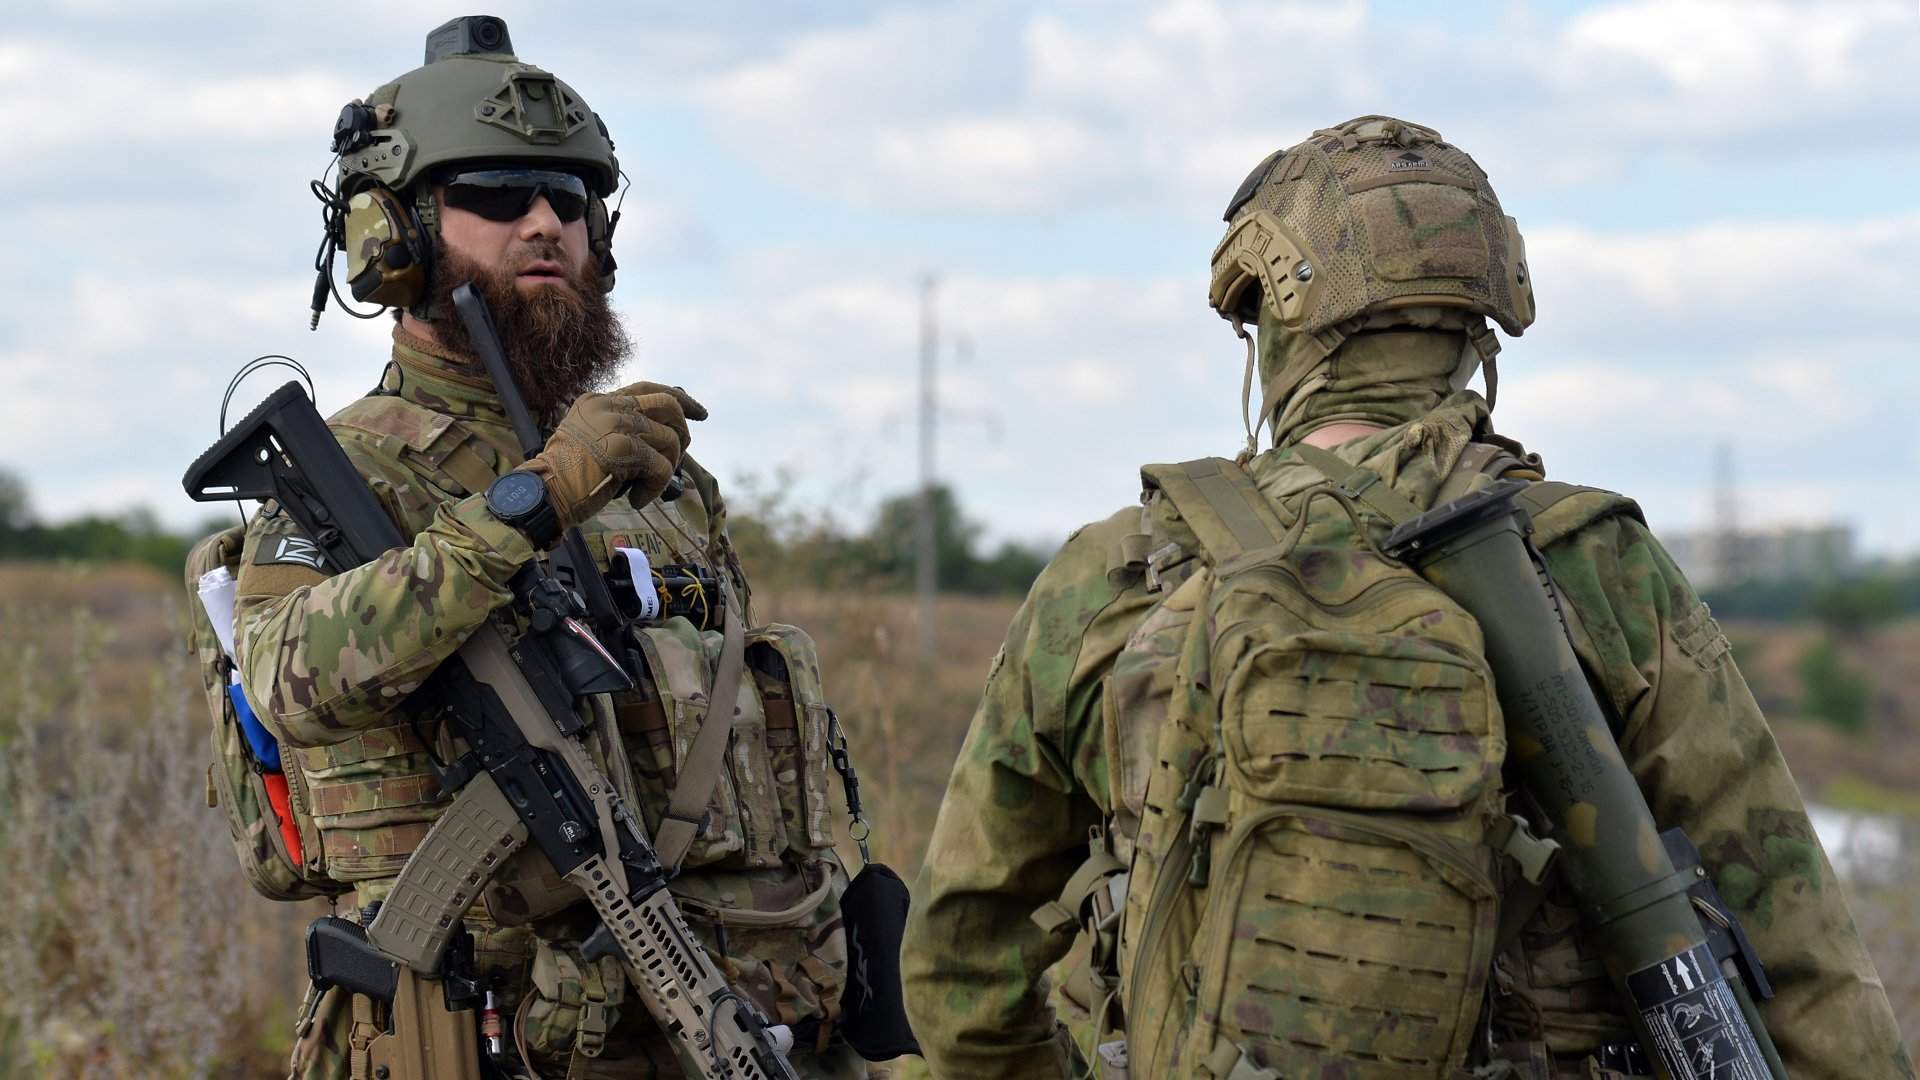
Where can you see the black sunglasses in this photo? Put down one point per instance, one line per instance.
(507, 194)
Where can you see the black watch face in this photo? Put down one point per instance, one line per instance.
(515, 495)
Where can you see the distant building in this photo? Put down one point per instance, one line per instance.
(1786, 552)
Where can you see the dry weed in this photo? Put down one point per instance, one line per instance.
(131, 946)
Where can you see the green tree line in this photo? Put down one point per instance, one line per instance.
(778, 542)
(1845, 604)
(788, 546)
(132, 536)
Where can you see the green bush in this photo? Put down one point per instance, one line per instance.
(785, 546)
(1831, 691)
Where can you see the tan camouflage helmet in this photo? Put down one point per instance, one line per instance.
(1368, 216)
(472, 100)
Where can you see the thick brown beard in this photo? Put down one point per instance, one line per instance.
(561, 341)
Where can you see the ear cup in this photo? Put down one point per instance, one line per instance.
(388, 255)
(600, 226)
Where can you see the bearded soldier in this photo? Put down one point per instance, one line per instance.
(1247, 758)
(478, 168)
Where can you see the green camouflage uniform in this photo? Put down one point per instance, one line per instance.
(1036, 774)
(328, 661)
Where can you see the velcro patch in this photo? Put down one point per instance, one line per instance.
(292, 551)
(1700, 637)
(1424, 231)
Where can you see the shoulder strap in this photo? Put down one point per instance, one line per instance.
(1559, 509)
(1220, 503)
(686, 808)
(1476, 460)
(1359, 483)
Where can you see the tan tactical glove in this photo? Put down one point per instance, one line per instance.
(631, 438)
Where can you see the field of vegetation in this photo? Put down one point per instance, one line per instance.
(132, 947)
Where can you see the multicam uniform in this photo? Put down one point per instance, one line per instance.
(330, 660)
(1045, 759)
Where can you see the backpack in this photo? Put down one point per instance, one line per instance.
(267, 807)
(1306, 750)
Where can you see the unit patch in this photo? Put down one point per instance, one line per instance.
(292, 550)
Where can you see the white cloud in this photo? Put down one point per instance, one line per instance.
(1142, 102)
(102, 102)
(1797, 277)
(923, 130)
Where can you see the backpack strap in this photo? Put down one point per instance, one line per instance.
(1477, 460)
(1559, 509)
(1221, 504)
(1358, 483)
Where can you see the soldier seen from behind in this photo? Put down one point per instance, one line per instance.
(1241, 773)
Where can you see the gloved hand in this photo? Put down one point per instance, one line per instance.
(631, 438)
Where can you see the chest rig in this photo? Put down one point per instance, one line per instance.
(744, 811)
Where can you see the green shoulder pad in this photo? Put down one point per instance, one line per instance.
(1559, 510)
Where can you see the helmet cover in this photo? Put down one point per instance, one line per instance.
(1372, 215)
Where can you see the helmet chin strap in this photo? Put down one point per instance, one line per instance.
(1481, 346)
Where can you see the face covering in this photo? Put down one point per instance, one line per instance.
(1387, 368)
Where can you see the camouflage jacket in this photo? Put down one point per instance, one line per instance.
(330, 659)
(1034, 776)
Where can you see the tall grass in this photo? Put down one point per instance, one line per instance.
(130, 946)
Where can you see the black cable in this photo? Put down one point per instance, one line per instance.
(333, 213)
(613, 219)
(256, 364)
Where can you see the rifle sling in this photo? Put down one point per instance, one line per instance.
(685, 815)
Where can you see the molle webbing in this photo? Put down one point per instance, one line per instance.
(1220, 503)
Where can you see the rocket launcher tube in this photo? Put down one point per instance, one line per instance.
(1687, 1015)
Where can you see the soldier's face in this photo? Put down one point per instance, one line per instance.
(537, 249)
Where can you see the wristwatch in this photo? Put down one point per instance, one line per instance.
(520, 500)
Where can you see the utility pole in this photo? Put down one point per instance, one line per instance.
(1729, 545)
(927, 539)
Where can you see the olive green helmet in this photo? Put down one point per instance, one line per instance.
(1372, 215)
(472, 101)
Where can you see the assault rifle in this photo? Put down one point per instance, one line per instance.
(522, 773)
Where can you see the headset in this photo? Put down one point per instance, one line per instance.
(389, 240)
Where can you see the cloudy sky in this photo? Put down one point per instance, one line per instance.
(1718, 200)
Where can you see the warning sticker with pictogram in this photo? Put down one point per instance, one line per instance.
(1695, 1023)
